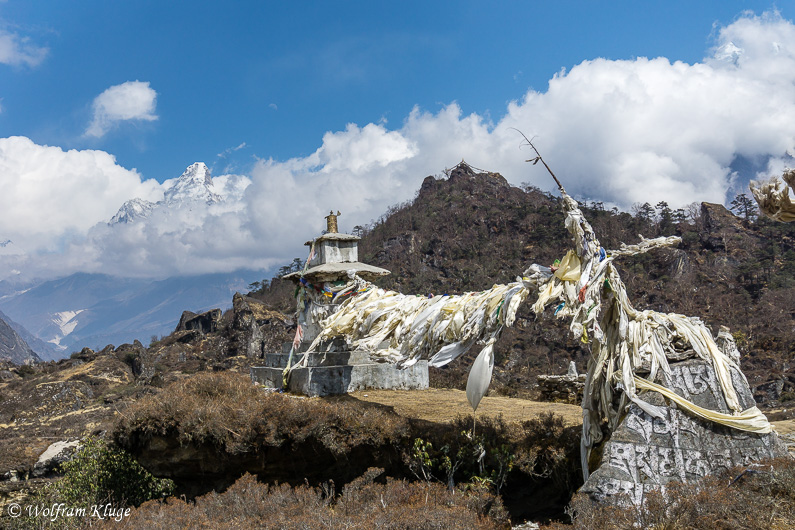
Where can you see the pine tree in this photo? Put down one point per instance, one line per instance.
(745, 206)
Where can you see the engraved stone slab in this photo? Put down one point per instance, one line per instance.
(645, 453)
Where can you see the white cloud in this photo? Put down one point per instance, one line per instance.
(18, 51)
(130, 101)
(616, 131)
(49, 194)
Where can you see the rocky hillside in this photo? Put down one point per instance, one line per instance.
(185, 408)
(53, 404)
(470, 230)
(13, 348)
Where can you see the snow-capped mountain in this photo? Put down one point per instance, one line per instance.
(194, 186)
(132, 210)
(92, 310)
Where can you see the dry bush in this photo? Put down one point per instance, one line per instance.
(362, 505)
(758, 497)
(227, 411)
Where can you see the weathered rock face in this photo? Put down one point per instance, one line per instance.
(13, 348)
(256, 330)
(645, 453)
(206, 322)
(141, 359)
(55, 455)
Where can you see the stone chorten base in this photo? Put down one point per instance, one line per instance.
(338, 372)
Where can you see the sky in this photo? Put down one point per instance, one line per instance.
(300, 108)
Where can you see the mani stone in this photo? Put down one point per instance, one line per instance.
(645, 453)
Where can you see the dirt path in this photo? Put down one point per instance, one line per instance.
(441, 405)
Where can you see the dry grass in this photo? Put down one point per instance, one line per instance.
(784, 427)
(443, 405)
(362, 505)
(227, 411)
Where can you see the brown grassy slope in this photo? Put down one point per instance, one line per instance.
(362, 504)
(209, 429)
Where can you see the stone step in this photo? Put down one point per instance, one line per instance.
(336, 344)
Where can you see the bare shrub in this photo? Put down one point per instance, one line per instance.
(363, 505)
(227, 411)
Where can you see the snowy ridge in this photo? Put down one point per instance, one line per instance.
(132, 210)
(66, 321)
(194, 186)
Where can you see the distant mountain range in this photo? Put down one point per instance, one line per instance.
(95, 310)
(59, 316)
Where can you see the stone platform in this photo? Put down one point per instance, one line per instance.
(338, 372)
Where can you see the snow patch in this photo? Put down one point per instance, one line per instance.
(66, 322)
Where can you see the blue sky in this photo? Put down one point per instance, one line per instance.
(278, 75)
(299, 108)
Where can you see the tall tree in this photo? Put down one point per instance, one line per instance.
(665, 217)
(744, 206)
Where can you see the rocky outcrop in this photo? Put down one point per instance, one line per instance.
(142, 360)
(722, 231)
(256, 330)
(645, 453)
(56, 454)
(206, 322)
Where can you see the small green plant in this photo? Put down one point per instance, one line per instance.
(477, 460)
(100, 478)
(101, 473)
(422, 464)
(740, 338)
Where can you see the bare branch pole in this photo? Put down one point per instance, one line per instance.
(539, 158)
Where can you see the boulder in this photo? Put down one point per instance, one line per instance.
(206, 322)
(256, 330)
(645, 453)
(55, 455)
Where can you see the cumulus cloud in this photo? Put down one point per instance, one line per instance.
(49, 194)
(130, 101)
(619, 131)
(19, 51)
